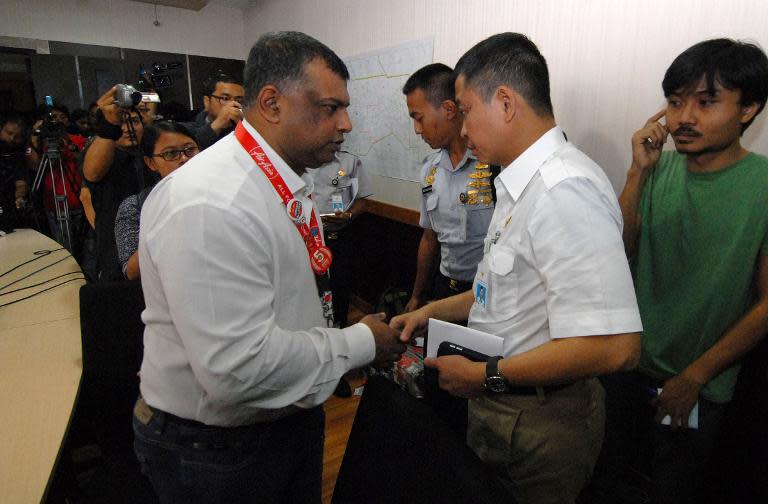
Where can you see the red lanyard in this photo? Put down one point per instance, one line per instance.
(319, 255)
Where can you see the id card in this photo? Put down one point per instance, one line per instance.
(481, 294)
(337, 202)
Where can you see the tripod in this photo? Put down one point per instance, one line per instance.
(50, 163)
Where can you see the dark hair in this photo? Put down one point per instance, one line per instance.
(279, 59)
(509, 59)
(12, 117)
(209, 84)
(734, 65)
(435, 80)
(153, 132)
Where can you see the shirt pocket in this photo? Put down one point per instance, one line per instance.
(503, 279)
(431, 206)
(476, 221)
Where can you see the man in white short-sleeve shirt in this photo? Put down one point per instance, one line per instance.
(554, 283)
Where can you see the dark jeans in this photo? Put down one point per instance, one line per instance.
(276, 462)
(643, 461)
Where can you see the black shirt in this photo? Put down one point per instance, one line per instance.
(126, 176)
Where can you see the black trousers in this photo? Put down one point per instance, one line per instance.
(341, 244)
(451, 408)
(643, 461)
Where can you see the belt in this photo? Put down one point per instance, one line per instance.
(144, 413)
(459, 285)
(547, 389)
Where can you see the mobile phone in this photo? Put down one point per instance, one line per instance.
(448, 348)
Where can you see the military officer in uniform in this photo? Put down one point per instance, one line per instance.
(457, 191)
(341, 187)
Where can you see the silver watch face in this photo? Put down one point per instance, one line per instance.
(495, 384)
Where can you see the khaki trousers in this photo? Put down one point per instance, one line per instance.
(543, 448)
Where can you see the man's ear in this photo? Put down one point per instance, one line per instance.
(206, 102)
(450, 109)
(748, 112)
(508, 100)
(268, 103)
(150, 162)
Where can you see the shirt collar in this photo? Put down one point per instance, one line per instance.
(292, 180)
(519, 173)
(445, 160)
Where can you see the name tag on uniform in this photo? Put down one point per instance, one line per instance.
(481, 294)
(337, 202)
(426, 189)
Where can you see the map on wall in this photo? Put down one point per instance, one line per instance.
(382, 133)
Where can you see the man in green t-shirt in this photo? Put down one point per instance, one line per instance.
(696, 231)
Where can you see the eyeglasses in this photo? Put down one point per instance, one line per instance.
(224, 99)
(175, 154)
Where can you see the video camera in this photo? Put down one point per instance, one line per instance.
(51, 129)
(127, 97)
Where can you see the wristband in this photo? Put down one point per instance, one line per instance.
(106, 129)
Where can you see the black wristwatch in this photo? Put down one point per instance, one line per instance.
(494, 381)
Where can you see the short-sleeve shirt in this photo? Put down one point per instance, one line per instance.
(127, 226)
(554, 263)
(457, 204)
(701, 237)
(122, 179)
(340, 181)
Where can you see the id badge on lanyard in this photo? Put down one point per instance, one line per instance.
(320, 256)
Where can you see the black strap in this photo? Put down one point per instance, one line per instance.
(106, 129)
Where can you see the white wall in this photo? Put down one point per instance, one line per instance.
(215, 31)
(606, 57)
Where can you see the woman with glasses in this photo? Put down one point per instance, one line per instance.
(165, 146)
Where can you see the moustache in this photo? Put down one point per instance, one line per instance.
(686, 131)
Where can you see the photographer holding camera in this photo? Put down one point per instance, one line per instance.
(222, 99)
(114, 169)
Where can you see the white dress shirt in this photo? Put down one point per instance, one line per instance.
(234, 326)
(554, 263)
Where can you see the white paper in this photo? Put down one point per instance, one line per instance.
(693, 418)
(473, 339)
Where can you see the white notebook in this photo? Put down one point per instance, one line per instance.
(473, 339)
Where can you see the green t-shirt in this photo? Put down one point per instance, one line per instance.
(700, 240)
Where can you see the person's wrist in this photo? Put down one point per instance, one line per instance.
(695, 376)
(478, 370)
(107, 130)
